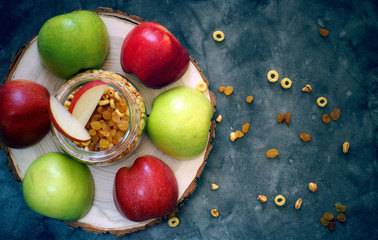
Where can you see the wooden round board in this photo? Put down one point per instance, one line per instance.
(103, 216)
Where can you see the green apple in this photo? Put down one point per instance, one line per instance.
(179, 122)
(73, 41)
(59, 187)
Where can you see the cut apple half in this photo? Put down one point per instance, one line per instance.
(65, 123)
(86, 99)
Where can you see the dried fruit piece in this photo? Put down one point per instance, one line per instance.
(214, 186)
(239, 134)
(341, 217)
(280, 117)
(245, 127)
(298, 203)
(96, 125)
(287, 118)
(173, 222)
(305, 137)
(328, 216)
(346, 146)
(340, 208)
(324, 32)
(104, 143)
(221, 89)
(335, 114)
(214, 212)
(107, 115)
(272, 153)
(307, 88)
(249, 99)
(262, 198)
(92, 132)
(326, 119)
(331, 225)
(312, 187)
(324, 222)
(219, 118)
(280, 200)
(228, 90)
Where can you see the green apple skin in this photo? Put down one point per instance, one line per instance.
(72, 42)
(179, 122)
(59, 187)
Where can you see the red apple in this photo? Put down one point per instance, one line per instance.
(86, 99)
(24, 118)
(148, 189)
(152, 53)
(65, 123)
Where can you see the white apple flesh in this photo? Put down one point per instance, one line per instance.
(86, 99)
(65, 123)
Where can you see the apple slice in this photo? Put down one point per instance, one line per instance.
(86, 99)
(66, 123)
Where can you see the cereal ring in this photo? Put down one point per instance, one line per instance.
(201, 86)
(280, 200)
(322, 101)
(286, 83)
(274, 74)
(173, 222)
(218, 36)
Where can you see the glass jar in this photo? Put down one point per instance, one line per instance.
(137, 121)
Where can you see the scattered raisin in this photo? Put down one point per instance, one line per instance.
(326, 118)
(341, 217)
(340, 208)
(313, 187)
(346, 147)
(239, 134)
(287, 118)
(245, 127)
(280, 117)
(272, 153)
(328, 216)
(323, 32)
(228, 90)
(324, 221)
(249, 99)
(331, 225)
(305, 137)
(221, 89)
(335, 114)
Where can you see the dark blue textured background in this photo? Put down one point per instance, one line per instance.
(260, 36)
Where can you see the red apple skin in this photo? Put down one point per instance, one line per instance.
(24, 118)
(148, 189)
(152, 53)
(82, 90)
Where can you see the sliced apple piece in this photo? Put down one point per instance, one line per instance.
(65, 123)
(86, 99)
